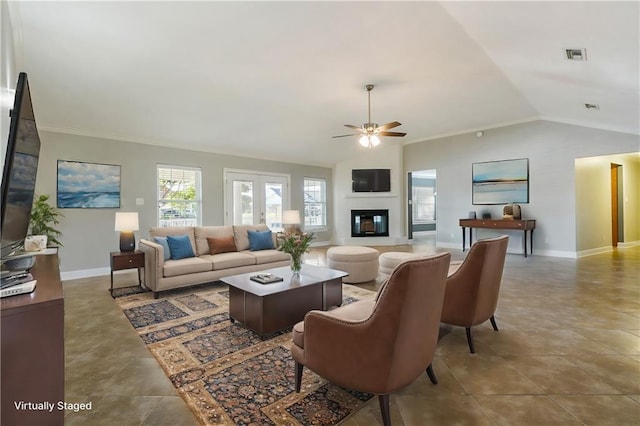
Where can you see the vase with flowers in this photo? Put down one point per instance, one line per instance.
(296, 244)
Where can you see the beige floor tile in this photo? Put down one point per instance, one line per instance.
(602, 410)
(557, 375)
(525, 410)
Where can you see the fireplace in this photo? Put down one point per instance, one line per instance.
(369, 223)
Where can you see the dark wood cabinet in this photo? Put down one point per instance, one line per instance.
(33, 349)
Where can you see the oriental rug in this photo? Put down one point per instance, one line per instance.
(227, 374)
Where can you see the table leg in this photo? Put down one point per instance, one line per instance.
(463, 238)
(139, 278)
(524, 243)
(531, 241)
(111, 289)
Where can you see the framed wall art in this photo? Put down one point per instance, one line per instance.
(501, 182)
(88, 185)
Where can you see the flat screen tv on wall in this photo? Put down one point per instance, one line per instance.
(371, 180)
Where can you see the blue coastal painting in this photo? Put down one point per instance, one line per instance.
(501, 182)
(88, 185)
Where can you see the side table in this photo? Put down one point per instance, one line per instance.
(121, 260)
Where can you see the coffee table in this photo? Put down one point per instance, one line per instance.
(268, 308)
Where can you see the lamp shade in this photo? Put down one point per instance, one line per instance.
(291, 217)
(127, 221)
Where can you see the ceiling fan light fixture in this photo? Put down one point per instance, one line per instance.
(375, 141)
(364, 141)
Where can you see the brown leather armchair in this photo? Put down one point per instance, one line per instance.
(378, 346)
(472, 290)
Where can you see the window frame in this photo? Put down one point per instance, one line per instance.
(198, 191)
(323, 191)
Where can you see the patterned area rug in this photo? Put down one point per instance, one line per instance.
(227, 374)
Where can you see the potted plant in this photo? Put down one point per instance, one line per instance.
(43, 217)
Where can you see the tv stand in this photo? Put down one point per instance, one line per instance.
(32, 348)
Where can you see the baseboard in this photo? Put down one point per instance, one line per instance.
(591, 252)
(84, 273)
(511, 250)
(629, 244)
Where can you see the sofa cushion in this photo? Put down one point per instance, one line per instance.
(166, 251)
(221, 245)
(174, 230)
(204, 232)
(190, 265)
(268, 256)
(180, 246)
(241, 236)
(260, 240)
(229, 260)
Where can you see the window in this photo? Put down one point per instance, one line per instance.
(424, 204)
(315, 203)
(179, 196)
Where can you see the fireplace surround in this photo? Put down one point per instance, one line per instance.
(369, 223)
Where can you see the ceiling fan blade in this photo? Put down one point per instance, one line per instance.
(388, 126)
(351, 126)
(391, 134)
(343, 136)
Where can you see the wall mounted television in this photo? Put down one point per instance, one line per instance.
(371, 180)
(20, 169)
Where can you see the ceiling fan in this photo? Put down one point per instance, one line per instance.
(369, 131)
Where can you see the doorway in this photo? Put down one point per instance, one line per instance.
(252, 198)
(421, 204)
(617, 210)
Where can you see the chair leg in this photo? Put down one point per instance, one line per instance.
(299, 368)
(432, 375)
(384, 409)
(470, 340)
(493, 323)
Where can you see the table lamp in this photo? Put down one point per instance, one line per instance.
(292, 219)
(126, 223)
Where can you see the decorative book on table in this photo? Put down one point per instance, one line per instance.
(265, 278)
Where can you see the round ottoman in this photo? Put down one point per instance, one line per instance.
(361, 263)
(391, 259)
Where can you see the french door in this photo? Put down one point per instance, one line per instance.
(252, 198)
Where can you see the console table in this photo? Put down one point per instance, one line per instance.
(525, 225)
(33, 348)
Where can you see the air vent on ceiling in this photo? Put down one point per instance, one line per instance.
(576, 54)
(592, 106)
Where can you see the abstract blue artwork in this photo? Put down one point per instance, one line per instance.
(88, 185)
(501, 182)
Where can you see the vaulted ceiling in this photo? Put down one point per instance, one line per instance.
(278, 79)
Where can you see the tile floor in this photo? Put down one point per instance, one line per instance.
(567, 353)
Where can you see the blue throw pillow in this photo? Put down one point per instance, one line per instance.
(165, 246)
(260, 240)
(180, 246)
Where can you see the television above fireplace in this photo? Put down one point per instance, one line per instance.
(371, 180)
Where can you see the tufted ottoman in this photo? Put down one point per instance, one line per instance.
(361, 263)
(391, 259)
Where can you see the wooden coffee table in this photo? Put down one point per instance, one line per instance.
(267, 308)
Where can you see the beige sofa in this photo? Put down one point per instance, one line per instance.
(160, 274)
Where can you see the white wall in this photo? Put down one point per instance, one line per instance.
(8, 75)
(88, 234)
(551, 149)
(388, 155)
